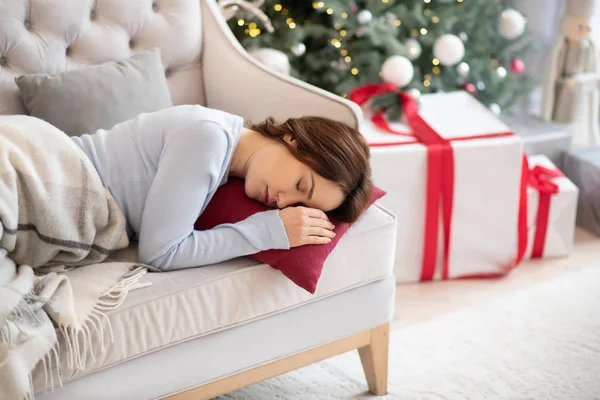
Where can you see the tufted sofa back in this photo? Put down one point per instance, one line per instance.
(52, 36)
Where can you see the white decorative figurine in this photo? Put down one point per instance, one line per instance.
(571, 88)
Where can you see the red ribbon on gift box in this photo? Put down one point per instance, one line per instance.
(440, 175)
(541, 178)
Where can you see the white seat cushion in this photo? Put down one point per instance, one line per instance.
(198, 361)
(186, 304)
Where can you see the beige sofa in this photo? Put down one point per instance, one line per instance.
(202, 332)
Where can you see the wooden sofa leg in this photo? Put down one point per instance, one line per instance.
(374, 358)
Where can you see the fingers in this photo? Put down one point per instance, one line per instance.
(306, 226)
(313, 231)
(315, 213)
(320, 223)
(316, 240)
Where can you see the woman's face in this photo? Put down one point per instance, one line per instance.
(276, 178)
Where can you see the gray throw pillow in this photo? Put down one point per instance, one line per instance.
(99, 96)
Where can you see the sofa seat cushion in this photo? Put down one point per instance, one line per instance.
(231, 351)
(186, 304)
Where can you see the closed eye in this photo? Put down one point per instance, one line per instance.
(298, 184)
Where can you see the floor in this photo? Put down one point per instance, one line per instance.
(417, 302)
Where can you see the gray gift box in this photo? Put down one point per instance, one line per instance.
(541, 137)
(582, 167)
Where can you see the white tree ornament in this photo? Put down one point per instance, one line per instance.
(463, 69)
(364, 17)
(449, 49)
(397, 70)
(495, 108)
(414, 49)
(299, 49)
(414, 93)
(272, 58)
(501, 72)
(511, 24)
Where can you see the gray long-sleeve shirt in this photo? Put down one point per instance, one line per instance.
(163, 168)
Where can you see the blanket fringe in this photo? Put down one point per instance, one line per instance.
(77, 349)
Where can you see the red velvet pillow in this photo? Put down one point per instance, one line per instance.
(302, 265)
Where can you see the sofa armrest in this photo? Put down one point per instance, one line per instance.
(235, 82)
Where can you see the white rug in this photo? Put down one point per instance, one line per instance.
(542, 342)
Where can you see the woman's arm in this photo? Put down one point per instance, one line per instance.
(189, 169)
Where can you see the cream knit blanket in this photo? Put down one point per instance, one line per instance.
(58, 225)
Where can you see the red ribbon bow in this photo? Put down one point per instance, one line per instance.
(363, 94)
(440, 176)
(541, 178)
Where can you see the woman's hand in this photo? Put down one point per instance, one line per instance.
(306, 226)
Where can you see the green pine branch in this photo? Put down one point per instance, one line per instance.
(342, 54)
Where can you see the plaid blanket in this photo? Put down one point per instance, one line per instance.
(58, 226)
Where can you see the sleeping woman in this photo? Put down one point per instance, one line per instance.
(163, 168)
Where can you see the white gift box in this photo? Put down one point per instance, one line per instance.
(487, 167)
(551, 223)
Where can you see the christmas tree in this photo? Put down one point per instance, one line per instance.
(422, 46)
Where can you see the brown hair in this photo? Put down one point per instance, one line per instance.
(335, 151)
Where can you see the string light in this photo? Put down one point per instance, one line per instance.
(460, 1)
(423, 31)
(277, 7)
(397, 22)
(343, 33)
(435, 19)
(427, 12)
(427, 77)
(344, 15)
(436, 70)
(241, 22)
(330, 11)
(347, 59)
(385, 1)
(414, 33)
(354, 71)
(289, 21)
(285, 11)
(495, 63)
(427, 1)
(344, 95)
(435, 61)
(292, 25)
(426, 83)
(344, 52)
(253, 32)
